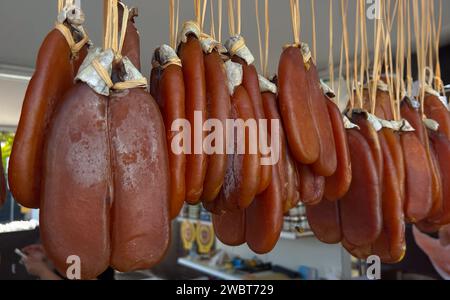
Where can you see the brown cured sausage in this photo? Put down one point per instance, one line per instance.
(390, 245)
(242, 176)
(2, 181)
(229, 227)
(286, 165)
(360, 252)
(442, 147)
(435, 109)
(324, 221)
(327, 162)
(414, 117)
(155, 78)
(191, 55)
(250, 82)
(76, 190)
(132, 43)
(312, 186)
(418, 187)
(337, 185)
(361, 216)
(172, 99)
(141, 182)
(54, 76)
(264, 217)
(219, 107)
(294, 97)
(372, 138)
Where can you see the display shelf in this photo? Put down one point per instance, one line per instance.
(182, 219)
(206, 269)
(295, 236)
(285, 235)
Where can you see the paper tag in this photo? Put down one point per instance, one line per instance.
(374, 121)
(89, 75)
(266, 86)
(209, 44)
(234, 75)
(348, 124)
(236, 46)
(189, 27)
(327, 90)
(431, 124)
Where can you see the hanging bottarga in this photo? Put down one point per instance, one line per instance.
(325, 221)
(219, 108)
(57, 64)
(437, 110)
(391, 245)
(242, 176)
(290, 191)
(441, 146)
(264, 217)
(191, 55)
(2, 181)
(312, 186)
(242, 55)
(337, 185)
(361, 217)
(294, 97)
(106, 172)
(171, 100)
(327, 162)
(229, 227)
(410, 111)
(418, 178)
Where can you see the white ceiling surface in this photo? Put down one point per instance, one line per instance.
(24, 24)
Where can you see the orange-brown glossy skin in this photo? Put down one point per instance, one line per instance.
(325, 221)
(312, 186)
(418, 188)
(250, 82)
(327, 162)
(360, 208)
(414, 117)
(140, 212)
(132, 44)
(371, 136)
(264, 217)
(287, 167)
(172, 99)
(77, 188)
(391, 245)
(219, 107)
(229, 227)
(243, 170)
(155, 78)
(2, 181)
(191, 55)
(360, 252)
(337, 185)
(294, 97)
(435, 109)
(441, 146)
(53, 77)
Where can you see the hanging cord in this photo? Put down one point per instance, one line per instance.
(314, 38)
(400, 57)
(263, 54)
(376, 63)
(409, 78)
(365, 71)
(115, 43)
(234, 17)
(330, 54)
(296, 21)
(419, 33)
(344, 10)
(355, 58)
(174, 16)
(438, 84)
(67, 33)
(389, 66)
